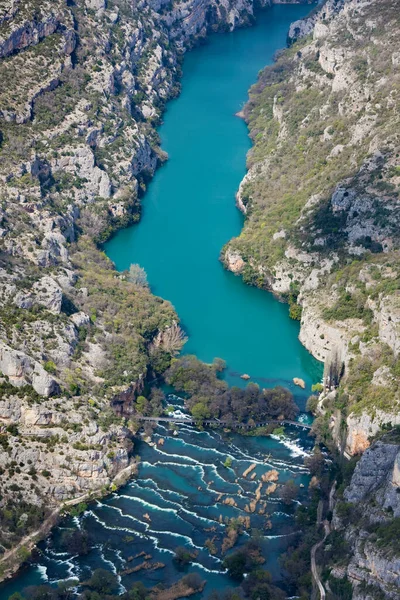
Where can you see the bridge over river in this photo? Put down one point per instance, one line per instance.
(221, 423)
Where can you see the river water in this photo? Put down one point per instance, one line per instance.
(189, 214)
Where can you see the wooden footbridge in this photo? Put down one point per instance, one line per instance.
(220, 423)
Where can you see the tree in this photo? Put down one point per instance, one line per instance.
(315, 462)
(312, 403)
(183, 556)
(137, 275)
(67, 589)
(156, 400)
(200, 411)
(138, 592)
(317, 387)
(236, 564)
(103, 581)
(92, 223)
(76, 542)
(141, 404)
(170, 340)
(41, 592)
(289, 491)
(257, 585)
(219, 364)
(295, 312)
(193, 581)
(230, 594)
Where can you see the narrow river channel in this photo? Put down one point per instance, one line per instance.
(189, 214)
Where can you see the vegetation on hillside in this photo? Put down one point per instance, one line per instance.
(322, 194)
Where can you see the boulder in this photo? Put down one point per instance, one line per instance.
(23, 370)
(43, 383)
(80, 319)
(48, 294)
(300, 382)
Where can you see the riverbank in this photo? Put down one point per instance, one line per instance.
(12, 560)
(304, 237)
(191, 216)
(184, 495)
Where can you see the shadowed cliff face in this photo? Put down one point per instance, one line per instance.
(321, 199)
(368, 519)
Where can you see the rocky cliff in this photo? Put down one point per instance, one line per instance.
(82, 86)
(321, 199)
(367, 519)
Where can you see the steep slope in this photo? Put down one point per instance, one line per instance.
(321, 199)
(364, 546)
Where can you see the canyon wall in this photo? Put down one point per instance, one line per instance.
(321, 199)
(367, 520)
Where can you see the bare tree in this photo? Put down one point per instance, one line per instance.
(137, 275)
(170, 339)
(92, 223)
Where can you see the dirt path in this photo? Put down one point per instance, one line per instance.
(30, 540)
(47, 523)
(314, 549)
(314, 569)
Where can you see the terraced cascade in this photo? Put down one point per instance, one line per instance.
(184, 492)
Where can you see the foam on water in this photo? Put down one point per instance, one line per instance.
(42, 570)
(152, 482)
(113, 569)
(293, 446)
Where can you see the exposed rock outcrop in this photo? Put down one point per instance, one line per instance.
(374, 563)
(321, 199)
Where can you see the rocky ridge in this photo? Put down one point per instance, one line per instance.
(368, 519)
(321, 199)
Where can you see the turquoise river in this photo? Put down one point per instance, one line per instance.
(189, 213)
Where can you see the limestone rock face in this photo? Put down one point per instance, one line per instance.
(234, 262)
(42, 382)
(80, 319)
(79, 464)
(23, 370)
(374, 492)
(26, 28)
(373, 470)
(48, 294)
(360, 429)
(96, 4)
(80, 161)
(14, 364)
(339, 255)
(388, 317)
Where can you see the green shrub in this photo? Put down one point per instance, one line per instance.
(50, 367)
